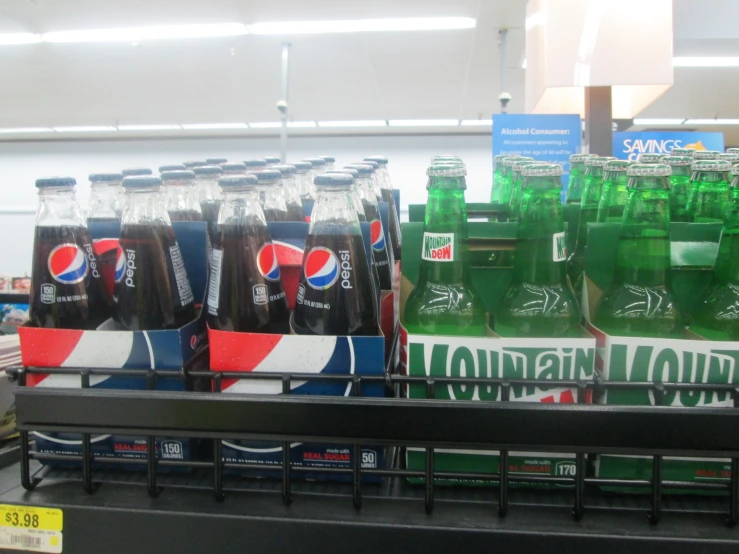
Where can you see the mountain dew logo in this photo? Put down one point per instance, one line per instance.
(438, 247)
(559, 250)
(468, 357)
(689, 361)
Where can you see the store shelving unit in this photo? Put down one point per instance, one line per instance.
(207, 509)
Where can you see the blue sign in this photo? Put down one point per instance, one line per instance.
(546, 138)
(628, 146)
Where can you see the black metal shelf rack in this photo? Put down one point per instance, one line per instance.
(208, 510)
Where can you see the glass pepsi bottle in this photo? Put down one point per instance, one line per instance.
(152, 290)
(233, 168)
(105, 192)
(216, 161)
(208, 195)
(255, 165)
(67, 290)
(382, 256)
(180, 196)
(136, 172)
(245, 292)
(269, 188)
(330, 162)
(318, 166)
(290, 192)
(303, 181)
(336, 295)
(272, 161)
(192, 164)
(386, 195)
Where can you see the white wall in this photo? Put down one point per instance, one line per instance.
(21, 163)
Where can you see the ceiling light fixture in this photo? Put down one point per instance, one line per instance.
(712, 122)
(359, 123)
(363, 25)
(19, 38)
(209, 126)
(477, 123)
(86, 129)
(301, 124)
(647, 121)
(149, 127)
(423, 122)
(160, 32)
(705, 61)
(24, 130)
(265, 125)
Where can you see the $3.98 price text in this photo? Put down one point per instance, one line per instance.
(22, 520)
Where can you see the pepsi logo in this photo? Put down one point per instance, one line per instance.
(321, 268)
(120, 264)
(68, 264)
(267, 262)
(377, 235)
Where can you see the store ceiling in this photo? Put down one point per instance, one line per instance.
(392, 75)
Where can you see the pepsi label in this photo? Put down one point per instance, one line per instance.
(68, 264)
(346, 269)
(130, 268)
(214, 285)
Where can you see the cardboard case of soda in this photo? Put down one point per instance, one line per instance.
(652, 360)
(492, 247)
(109, 347)
(277, 354)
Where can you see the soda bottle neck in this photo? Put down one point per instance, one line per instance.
(540, 246)
(290, 190)
(180, 197)
(207, 190)
(644, 243)
(58, 206)
(241, 206)
(444, 250)
(104, 200)
(304, 183)
(681, 171)
(144, 207)
(334, 212)
(366, 189)
(593, 187)
(271, 197)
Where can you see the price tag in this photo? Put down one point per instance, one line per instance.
(31, 528)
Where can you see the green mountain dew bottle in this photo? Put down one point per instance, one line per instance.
(577, 177)
(591, 194)
(497, 178)
(539, 302)
(649, 158)
(444, 301)
(514, 205)
(717, 314)
(507, 177)
(682, 152)
(679, 185)
(640, 302)
(709, 199)
(615, 191)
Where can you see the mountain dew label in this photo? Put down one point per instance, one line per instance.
(559, 250)
(642, 360)
(550, 359)
(438, 247)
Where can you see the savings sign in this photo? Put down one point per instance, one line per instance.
(628, 146)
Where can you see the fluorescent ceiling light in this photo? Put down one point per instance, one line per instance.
(301, 124)
(365, 123)
(712, 122)
(362, 25)
(22, 130)
(85, 129)
(207, 126)
(160, 32)
(423, 122)
(477, 123)
(705, 61)
(265, 125)
(149, 127)
(19, 38)
(659, 121)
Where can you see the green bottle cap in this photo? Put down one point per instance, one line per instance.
(580, 158)
(542, 170)
(616, 166)
(649, 158)
(677, 161)
(598, 161)
(705, 155)
(682, 151)
(448, 169)
(510, 160)
(732, 157)
(649, 170)
(711, 165)
(731, 150)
